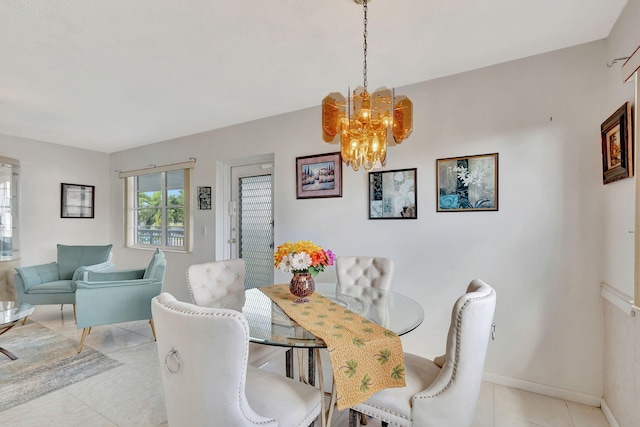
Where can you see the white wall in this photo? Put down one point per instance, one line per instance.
(622, 332)
(541, 251)
(618, 198)
(44, 167)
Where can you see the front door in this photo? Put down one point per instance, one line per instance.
(252, 221)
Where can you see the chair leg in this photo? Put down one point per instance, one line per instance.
(153, 329)
(24, 320)
(363, 419)
(61, 305)
(353, 418)
(74, 313)
(85, 332)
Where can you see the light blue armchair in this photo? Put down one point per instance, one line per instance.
(55, 283)
(105, 298)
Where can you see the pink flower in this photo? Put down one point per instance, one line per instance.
(331, 257)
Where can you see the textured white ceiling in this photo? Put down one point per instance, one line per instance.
(108, 75)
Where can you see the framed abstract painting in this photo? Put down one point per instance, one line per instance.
(77, 201)
(393, 194)
(468, 183)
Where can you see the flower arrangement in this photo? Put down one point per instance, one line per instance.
(303, 256)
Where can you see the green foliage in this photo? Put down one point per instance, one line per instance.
(365, 383)
(358, 342)
(382, 357)
(398, 372)
(350, 369)
(150, 213)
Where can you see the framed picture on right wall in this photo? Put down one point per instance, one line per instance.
(468, 183)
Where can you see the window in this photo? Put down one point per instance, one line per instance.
(157, 205)
(9, 206)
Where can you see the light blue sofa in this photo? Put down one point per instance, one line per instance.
(105, 298)
(55, 283)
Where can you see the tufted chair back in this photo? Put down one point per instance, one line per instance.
(375, 272)
(203, 358)
(211, 281)
(443, 392)
(451, 398)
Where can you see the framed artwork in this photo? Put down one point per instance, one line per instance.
(393, 195)
(204, 198)
(77, 201)
(319, 175)
(468, 183)
(617, 145)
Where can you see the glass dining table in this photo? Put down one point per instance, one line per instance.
(10, 313)
(269, 325)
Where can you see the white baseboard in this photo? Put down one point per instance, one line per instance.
(608, 414)
(547, 390)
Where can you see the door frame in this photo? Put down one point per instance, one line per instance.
(223, 197)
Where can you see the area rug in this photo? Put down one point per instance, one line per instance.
(46, 362)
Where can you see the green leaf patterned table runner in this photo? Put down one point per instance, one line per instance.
(365, 357)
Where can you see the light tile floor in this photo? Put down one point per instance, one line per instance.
(131, 394)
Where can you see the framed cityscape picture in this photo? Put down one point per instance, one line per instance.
(319, 175)
(468, 183)
(393, 195)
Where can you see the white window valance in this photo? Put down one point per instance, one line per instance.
(157, 169)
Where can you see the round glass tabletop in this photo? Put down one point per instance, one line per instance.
(12, 311)
(268, 324)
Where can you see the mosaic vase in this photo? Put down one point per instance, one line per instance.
(302, 285)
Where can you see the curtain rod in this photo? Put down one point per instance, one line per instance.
(157, 169)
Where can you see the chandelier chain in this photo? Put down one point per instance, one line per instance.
(364, 64)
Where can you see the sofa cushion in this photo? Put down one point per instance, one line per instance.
(156, 267)
(35, 275)
(57, 286)
(70, 258)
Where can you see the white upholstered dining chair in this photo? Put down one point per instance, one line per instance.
(211, 281)
(367, 272)
(375, 272)
(443, 392)
(203, 354)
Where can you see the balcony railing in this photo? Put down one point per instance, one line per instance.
(153, 237)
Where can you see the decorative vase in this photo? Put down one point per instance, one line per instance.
(302, 285)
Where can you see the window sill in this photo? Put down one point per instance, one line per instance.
(163, 249)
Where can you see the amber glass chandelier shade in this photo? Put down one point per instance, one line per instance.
(367, 124)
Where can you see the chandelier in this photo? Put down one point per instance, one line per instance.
(367, 123)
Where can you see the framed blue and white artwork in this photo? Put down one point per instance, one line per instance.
(468, 183)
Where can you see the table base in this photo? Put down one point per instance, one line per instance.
(6, 352)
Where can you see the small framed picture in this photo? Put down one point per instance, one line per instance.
(319, 175)
(468, 183)
(393, 194)
(204, 198)
(77, 201)
(617, 145)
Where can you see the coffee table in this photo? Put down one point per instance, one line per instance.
(11, 312)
